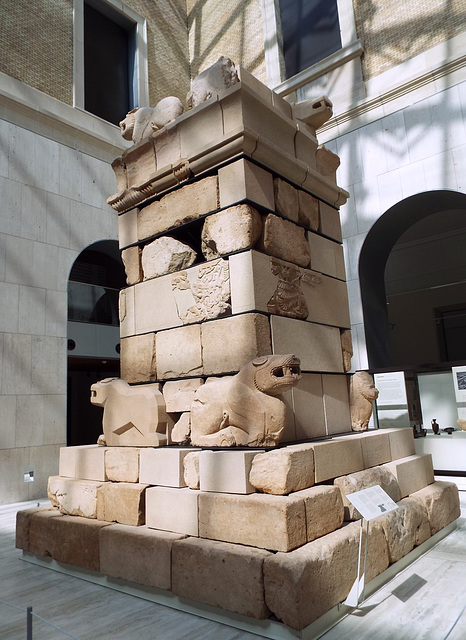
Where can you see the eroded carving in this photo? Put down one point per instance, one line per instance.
(220, 76)
(165, 255)
(142, 121)
(245, 409)
(362, 395)
(346, 348)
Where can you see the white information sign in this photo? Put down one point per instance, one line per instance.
(372, 502)
(392, 389)
(459, 380)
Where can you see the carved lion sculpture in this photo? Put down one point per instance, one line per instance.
(141, 122)
(244, 409)
(362, 395)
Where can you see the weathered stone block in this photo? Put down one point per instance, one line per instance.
(191, 470)
(132, 262)
(226, 471)
(230, 343)
(247, 520)
(166, 255)
(137, 554)
(303, 585)
(412, 473)
(375, 447)
(441, 501)
(86, 462)
(203, 131)
(173, 510)
(121, 502)
(308, 210)
(23, 522)
(363, 480)
(286, 199)
(137, 358)
(179, 352)
(286, 240)
(401, 442)
(178, 394)
(73, 497)
(220, 574)
(167, 146)
(326, 256)
(140, 162)
(163, 467)
(336, 404)
(242, 180)
(324, 510)
(336, 458)
(404, 528)
(122, 464)
(283, 471)
(238, 227)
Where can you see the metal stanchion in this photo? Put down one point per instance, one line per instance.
(29, 623)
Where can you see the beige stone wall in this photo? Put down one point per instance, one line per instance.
(392, 31)
(233, 29)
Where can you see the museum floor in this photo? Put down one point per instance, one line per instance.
(425, 601)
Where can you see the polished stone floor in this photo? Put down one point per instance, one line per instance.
(426, 601)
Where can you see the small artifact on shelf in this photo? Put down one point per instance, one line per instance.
(449, 430)
(435, 427)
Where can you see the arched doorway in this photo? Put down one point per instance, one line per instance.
(95, 279)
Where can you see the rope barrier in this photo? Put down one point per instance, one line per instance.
(30, 614)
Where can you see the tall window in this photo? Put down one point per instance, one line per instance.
(310, 32)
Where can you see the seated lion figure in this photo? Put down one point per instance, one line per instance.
(142, 121)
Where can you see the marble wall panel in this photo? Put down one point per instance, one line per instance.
(9, 307)
(10, 220)
(31, 310)
(17, 360)
(33, 213)
(8, 421)
(58, 220)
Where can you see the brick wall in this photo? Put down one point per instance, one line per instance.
(392, 31)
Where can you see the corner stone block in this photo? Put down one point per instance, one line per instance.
(137, 358)
(173, 510)
(233, 229)
(247, 520)
(330, 224)
(179, 394)
(327, 256)
(122, 464)
(230, 343)
(163, 466)
(226, 471)
(336, 404)
(86, 462)
(23, 523)
(132, 262)
(401, 442)
(137, 554)
(441, 501)
(405, 528)
(242, 180)
(303, 585)
(286, 240)
(126, 312)
(220, 574)
(140, 162)
(308, 210)
(336, 458)
(179, 352)
(363, 480)
(412, 473)
(121, 502)
(324, 510)
(69, 539)
(128, 228)
(74, 497)
(283, 471)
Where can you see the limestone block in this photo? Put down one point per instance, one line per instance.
(132, 262)
(362, 396)
(163, 466)
(284, 239)
(179, 352)
(308, 407)
(182, 429)
(165, 255)
(128, 228)
(177, 207)
(441, 501)
(303, 585)
(404, 528)
(226, 471)
(137, 554)
(242, 180)
(401, 442)
(179, 394)
(283, 471)
(220, 574)
(69, 539)
(318, 345)
(412, 473)
(173, 510)
(201, 130)
(305, 146)
(335, 458)
(230, 343)
(238, 227)
(167, 146)
(375, 447)
(122, 464)
(191, 470)
(346, 348)
(133, 416)
(73, 497)
(363, 480)
(326, 256)
(140, 163)
(246, 519)
(23, 522)
(336, 404)
(286, 199)
(330, 224)
(122, 502)
(137, 358)
(327, 163)
(308, 210)
(126, 312)
(324, 510)
(212, 81)
(86, 462)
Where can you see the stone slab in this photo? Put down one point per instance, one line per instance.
(284, 470)
(191, 470)
(286, 199)
(441, 501)
(163, 466)
(412, 473)
(336, 404)
(308, 407)
(132, 262)
(86, 462)
(243, 180)
(401, 442)
(137, 358)
(171, 509)
(126, 312)
(375, 447)
(404, 528)
(363, 480)
(137, 554)
(23, 522)
(178, 394)
(336, 458)
(247, 520)
(226, 471)
(165, 255)
(324, 510)
(121, 502)
(73, 497)
(179, 352)
(330, 224)
(122, 464)
(233, 229)
(128, 228)
(309, 213)
(286, 240)
(326, 256)
(221, 575)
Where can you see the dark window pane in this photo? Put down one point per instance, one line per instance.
(310, 30)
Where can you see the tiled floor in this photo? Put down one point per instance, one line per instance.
(426, 601)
